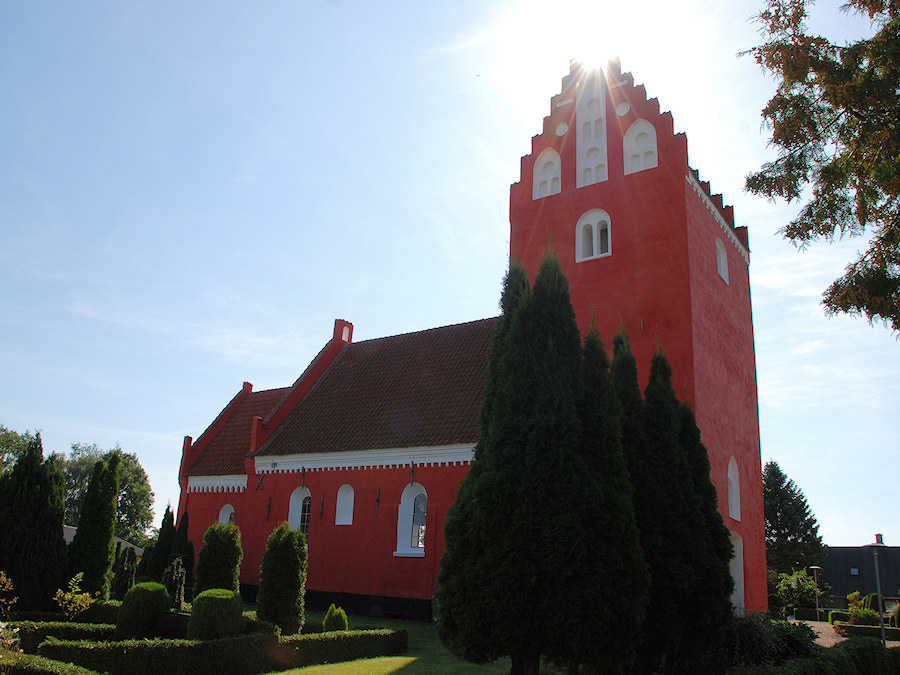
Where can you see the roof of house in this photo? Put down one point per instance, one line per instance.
(225, 453)
(413, 390)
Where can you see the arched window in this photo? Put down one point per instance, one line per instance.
(226, 514)
(639, 147)
(721, 259)
(299, 508)
(546, 176)
(592, 236)
(734, 490)
(343, 514)
(411, 520)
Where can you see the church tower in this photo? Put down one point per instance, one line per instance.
(645, 244)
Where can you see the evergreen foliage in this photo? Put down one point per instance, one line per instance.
(32, 549)
(625, 572)
(161, 554)
(173, 579)
(184, 548)
(833, 120)
(525, 572)
(137, 615)
(792, 534)
(335, 619)
(282, 580)
(124, 572)
(91, 551)
(216, 613)
(219, 562)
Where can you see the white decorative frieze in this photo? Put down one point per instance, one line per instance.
(392, 458)
(235, 483)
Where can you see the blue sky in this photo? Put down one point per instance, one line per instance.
(191, 193)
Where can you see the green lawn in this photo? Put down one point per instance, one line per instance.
(426, 654)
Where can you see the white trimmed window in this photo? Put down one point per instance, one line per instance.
(299, 508)
(592, 236)
(546, 175)
(343, 514)
(226, 514)
(639, 147)
(721, 259)
(411, 517)
(734, 490)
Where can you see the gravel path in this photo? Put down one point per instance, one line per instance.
(828, 637)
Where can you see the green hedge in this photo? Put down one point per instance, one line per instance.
(31, 634)
(867, 631)
(216, 613)
(838, 615)
(334, 647)
(17, 663)
(246, 654)
(858, 655)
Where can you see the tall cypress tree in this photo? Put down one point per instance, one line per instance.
(466, 628)
(282, 580)
(184, 547)
(710, 602)
(92, 551)
(161, 555)
(32, 508)
(615, 531)
(537, 501)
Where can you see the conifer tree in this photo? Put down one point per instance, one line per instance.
(32, 508)
(161, 554)
(533, 568)
(219, 562)
(184, 547)
(616, 532)
(282, 580)
(792, 533)
(92, 550)
(466, 629)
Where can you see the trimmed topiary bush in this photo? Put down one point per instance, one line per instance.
(216, 613)
(335, 619)
(137, 615)
(282, 580)
(219, 562)
(173, 579)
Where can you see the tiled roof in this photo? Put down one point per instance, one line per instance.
(412, 390)
(225, 453)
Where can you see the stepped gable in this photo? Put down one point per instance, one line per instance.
(414, 390)
(225, 453)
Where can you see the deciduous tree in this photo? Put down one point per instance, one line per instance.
(12, 446)
(792, 533)
(834, 123)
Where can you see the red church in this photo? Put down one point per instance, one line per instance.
(365, 451)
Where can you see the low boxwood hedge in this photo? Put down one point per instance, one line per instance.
(838, 615)
(100, 612)
(258, 652)
(850, 629)
(17, 663)
(32, 633)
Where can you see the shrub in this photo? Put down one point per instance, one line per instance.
(864, 617)
(838, 615)
(124, 572)
(219, 562)
(137, 615)
(797, 589)
(17, 663)
(32, 634)
(860, 655)
(756, 640)
(100, 612)
(335, 619)
(7, 599)
(173, 579)
(871, 602)
(73, 601)
(282, 580)
(216, 613)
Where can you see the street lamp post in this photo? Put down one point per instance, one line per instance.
(878, 544)
(816, 569)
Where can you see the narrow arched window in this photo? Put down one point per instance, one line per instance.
(411, 520)
(546, 174)
(299, 508)
(226, 514)
(639, 147)
(592, 236)
(721, 259)
(734, 490)
(343, 514)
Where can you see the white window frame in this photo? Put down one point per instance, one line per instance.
(226, 514)
(405, 522)
(300, 505)
(593, 221)
(343, 512)
(722, 259)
